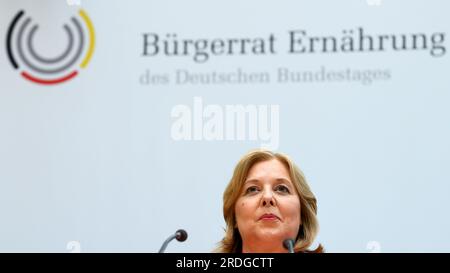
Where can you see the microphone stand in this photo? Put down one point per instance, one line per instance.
(180, 235)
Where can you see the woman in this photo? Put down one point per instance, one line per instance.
(266, 202)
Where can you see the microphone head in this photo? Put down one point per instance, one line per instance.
(288, 244)
(181, 235)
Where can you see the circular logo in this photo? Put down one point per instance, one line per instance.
(39, 69)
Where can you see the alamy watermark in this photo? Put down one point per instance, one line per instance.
(374, 2)
(373, 247)
(214, 122)
(73, 247)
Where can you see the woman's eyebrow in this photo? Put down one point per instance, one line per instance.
(251, 180)
(284, 180)
(281, 179)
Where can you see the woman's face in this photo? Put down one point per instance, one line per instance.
(268, 209)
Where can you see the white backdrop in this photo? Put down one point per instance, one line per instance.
(97, 160)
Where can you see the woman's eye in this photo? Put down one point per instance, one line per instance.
(282, 188)
(251, 189)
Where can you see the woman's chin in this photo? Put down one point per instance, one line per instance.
(265, 242)
(269, 233)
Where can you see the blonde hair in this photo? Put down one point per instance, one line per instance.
(232, 242)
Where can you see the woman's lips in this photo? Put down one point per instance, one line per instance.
(269, 217)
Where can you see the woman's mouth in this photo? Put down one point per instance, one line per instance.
(269, 217)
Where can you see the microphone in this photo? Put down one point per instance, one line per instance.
(289, 245)
(181, 236)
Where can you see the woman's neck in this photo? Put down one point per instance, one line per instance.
(263, 248)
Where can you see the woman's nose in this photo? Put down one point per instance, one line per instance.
(268, 198)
